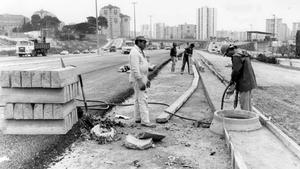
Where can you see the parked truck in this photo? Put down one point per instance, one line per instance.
(32, 47)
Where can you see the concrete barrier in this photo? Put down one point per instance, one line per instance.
(39, 100)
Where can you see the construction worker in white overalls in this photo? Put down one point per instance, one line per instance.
(138, 77)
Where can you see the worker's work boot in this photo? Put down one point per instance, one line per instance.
(151, 125)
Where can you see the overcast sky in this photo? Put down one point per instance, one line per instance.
(231, 14)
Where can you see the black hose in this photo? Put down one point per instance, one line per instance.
(222, 101)
(105, 106)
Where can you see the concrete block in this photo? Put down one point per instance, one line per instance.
(35, 127)
(28, 111)
(36, 78)
(5, 79)
(48, 111)
(133, 143)
(16, 79)
(26, 78)
(38, 111)
(18, 111)
(46, 79)
(9, 111)
(35, 95)
(63, 76)
(61, 110)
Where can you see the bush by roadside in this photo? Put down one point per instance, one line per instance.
(263, 58)
(8, 53)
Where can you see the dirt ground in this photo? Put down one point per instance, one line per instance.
(185, 146)
(277, 95)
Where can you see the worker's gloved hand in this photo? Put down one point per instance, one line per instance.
(148, 84)
(141, 84)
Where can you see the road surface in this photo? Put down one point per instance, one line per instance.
(101, 81)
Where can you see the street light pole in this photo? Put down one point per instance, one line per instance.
(150, 26)
(97, 35)
(134, 18)
(274, 25)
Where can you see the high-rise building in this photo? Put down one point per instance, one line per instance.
(125, 25)
(273, 26)
(118, 23)
(284, 32)
(278, 28)
(296, 26)
(159, 31)
(187, 31)
(206, 23)
(171, 32)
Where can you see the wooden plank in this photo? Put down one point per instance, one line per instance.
(46, 79)
(5, 79)
(61, 110)
(164, 117)
(33, 95)
(16, 79)
(63, 76)
(9, 111)
(48, 111)
(36, 78)
(38, 111)
(18, 111)
(35, 127)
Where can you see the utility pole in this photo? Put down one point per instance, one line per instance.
(97, 35)
(134, 18)
(274, 26)
(150, 26)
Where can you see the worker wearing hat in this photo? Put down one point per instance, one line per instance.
(173, 54)
(242, 75)
(187, 54)
(138, 77)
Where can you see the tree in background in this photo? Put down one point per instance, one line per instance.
(36, 22)
(283, 49)
(102, 22)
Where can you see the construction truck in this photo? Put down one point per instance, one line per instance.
(32, 47)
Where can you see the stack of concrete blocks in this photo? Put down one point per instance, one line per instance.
(39, 101)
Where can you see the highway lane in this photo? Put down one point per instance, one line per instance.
(101, 81)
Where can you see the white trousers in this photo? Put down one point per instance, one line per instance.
(141, 109)
(245, 100)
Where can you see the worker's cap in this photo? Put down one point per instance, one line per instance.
(229, 48)
(192, 45)
(140, 38)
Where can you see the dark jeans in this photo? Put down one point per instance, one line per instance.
(184, 61)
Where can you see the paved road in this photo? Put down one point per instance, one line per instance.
(266, 74)
(101, 81)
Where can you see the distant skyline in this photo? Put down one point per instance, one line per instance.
(232, 15)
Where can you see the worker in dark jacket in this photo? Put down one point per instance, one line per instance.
(187, 54)
(242, 76)
(173, 54)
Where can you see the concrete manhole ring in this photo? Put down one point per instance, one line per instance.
(234, 120)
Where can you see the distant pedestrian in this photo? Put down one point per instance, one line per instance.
(173, 54)
(187, 54)
(139, 79)
(242, 76)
